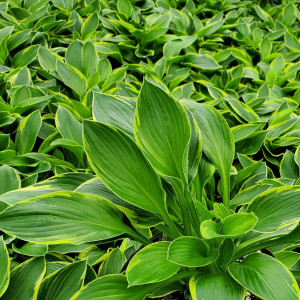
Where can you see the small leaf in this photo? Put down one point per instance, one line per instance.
(27, 132)
(72, 78)
(200, 61)
(90, 24)
(64, 283)
(143, 268)
(25, 56)
(125, 7)
(265, 277)
(10, 180)
(191, 252)
(68, 126)
(231, 226)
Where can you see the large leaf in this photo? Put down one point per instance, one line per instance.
(63, 217)
(119, 163)
(265, 277)
(64, 283)
(215, 286)
(4, 267)
(191, 252)
(25, 279)
(276, 208)
(151, 265)
(162, 130)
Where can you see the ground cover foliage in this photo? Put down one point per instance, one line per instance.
(149, 149)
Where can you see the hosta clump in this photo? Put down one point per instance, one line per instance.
(153, 169)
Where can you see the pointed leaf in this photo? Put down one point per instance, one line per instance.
(4, 267)
(119, 163)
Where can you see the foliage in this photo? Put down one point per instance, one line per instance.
(148, 148)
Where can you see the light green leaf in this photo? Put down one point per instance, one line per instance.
(143, 268)
(231, 226)
(191, 252)
(292, 42)
(113, 263)
(119, 163)
(201, 61)
(265, 277)
(10, 180)
(272, 214)
(63, 217)
(125, 7)
(90, 24)
(47, 59)
(27, 132)
(162, 130)
(4, 267)
(215, 286)
(64, 283)
(74, 55)
(25, 279)
(173, 47)
(89, 59)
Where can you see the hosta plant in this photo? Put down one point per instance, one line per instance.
(156, 161)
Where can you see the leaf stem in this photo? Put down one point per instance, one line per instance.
(170, 223)
(226, 189)
(192, 210)
(185, 214)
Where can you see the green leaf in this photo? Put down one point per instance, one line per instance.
(172, 48)
(47, 59)
(143, 268)
(215, 286)
(4, 267)
(231, 226)
(74, 55)
(114, 111)
(68, 126)
(125, 7)
(64, 182)
(25, 279)
(26, 56)
(272, 214)
(64, 283)
(119, 163)
(288, 166)
(112, 287)
(162, 130)
(292, 42)
(200, 61)
(217, 140)
(27, 132)
(113, 263)
(72, 78)
(10, 179)
(31, 249)
(191, 252)
(89, 59)
(63, 217)
(90, 24)
(265, 277)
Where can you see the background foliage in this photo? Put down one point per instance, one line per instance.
(62, 62)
